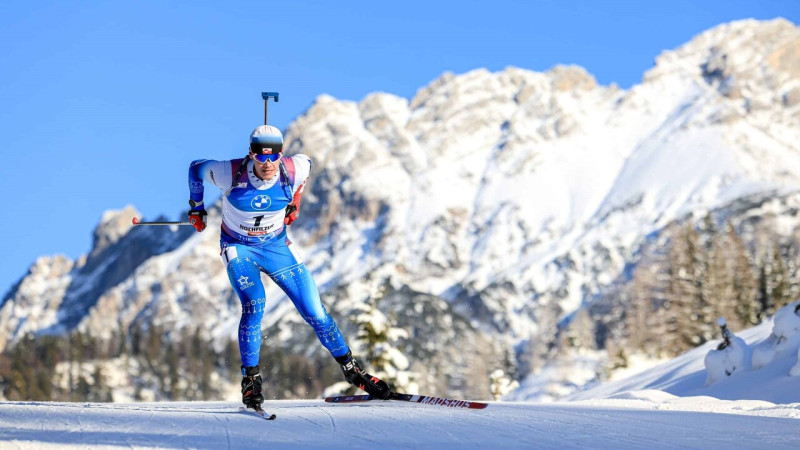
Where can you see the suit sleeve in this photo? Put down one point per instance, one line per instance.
(217, 173)
(302, 170)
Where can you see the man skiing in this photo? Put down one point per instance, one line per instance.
(261, 197)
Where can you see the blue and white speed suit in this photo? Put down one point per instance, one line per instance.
(253, 240)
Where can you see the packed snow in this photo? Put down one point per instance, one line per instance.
(622, 423)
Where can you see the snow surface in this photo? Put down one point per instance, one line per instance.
(621, 423)
(724, 362)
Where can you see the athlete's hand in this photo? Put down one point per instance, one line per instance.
(291, 214)
(198, 219)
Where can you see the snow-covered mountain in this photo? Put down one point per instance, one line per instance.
(501, 193)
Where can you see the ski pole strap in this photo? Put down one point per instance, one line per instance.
(238, 174)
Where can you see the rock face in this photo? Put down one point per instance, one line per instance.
(497, 192)
(112, 227)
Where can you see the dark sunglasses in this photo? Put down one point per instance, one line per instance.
(272, 157)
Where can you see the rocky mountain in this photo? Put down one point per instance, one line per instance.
(483, 201)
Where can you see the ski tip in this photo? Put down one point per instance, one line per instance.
(135, 221)
(264, 414)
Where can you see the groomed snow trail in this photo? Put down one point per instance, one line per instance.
(384, 425)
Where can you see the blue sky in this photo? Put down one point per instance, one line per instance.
(104, 104)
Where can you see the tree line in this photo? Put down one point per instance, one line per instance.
(704, 272)
(153, 365)
(685, 277)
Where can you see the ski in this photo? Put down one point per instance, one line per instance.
(422, 399)
(259, 412)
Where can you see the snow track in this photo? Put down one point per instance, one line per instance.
(314, 424)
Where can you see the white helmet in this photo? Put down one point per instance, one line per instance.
(266, 139)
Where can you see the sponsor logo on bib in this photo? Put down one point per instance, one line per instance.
(261, 202)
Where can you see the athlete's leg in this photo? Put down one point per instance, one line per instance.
(288, 271)
(244, 274)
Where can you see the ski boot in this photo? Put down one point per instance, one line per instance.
(252, 395)
(356, 376)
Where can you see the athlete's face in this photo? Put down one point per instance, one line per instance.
(265, 170)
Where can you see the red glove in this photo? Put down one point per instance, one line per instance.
(293, 209)
(198, 219)
(291, 214)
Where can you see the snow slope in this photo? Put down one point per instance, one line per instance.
(770, 379)
(315, 424)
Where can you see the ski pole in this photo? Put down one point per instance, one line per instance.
(136, 221)
(266, 96)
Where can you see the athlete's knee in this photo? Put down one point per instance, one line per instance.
(320, 322)
(324, 326)
(328, 333)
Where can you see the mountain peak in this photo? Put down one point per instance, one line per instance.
(744, 50)
(571, 77)
(114, 224)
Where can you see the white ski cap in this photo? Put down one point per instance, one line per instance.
(266, 135)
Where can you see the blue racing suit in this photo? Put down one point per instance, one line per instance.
(253, 239)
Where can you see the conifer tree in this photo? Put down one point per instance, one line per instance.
(541, 346)
(774, 287)
(501, 384)
(719, 283)
(645, 323)
(781, 286)
(579, 333)
(377, 343)
(172, 360)
(679, 312)
(617, 357)
(744, 282)
(136, 339)
(379, 340)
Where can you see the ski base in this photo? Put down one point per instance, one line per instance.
(422, 399)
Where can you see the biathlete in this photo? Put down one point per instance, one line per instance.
(261, 198)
